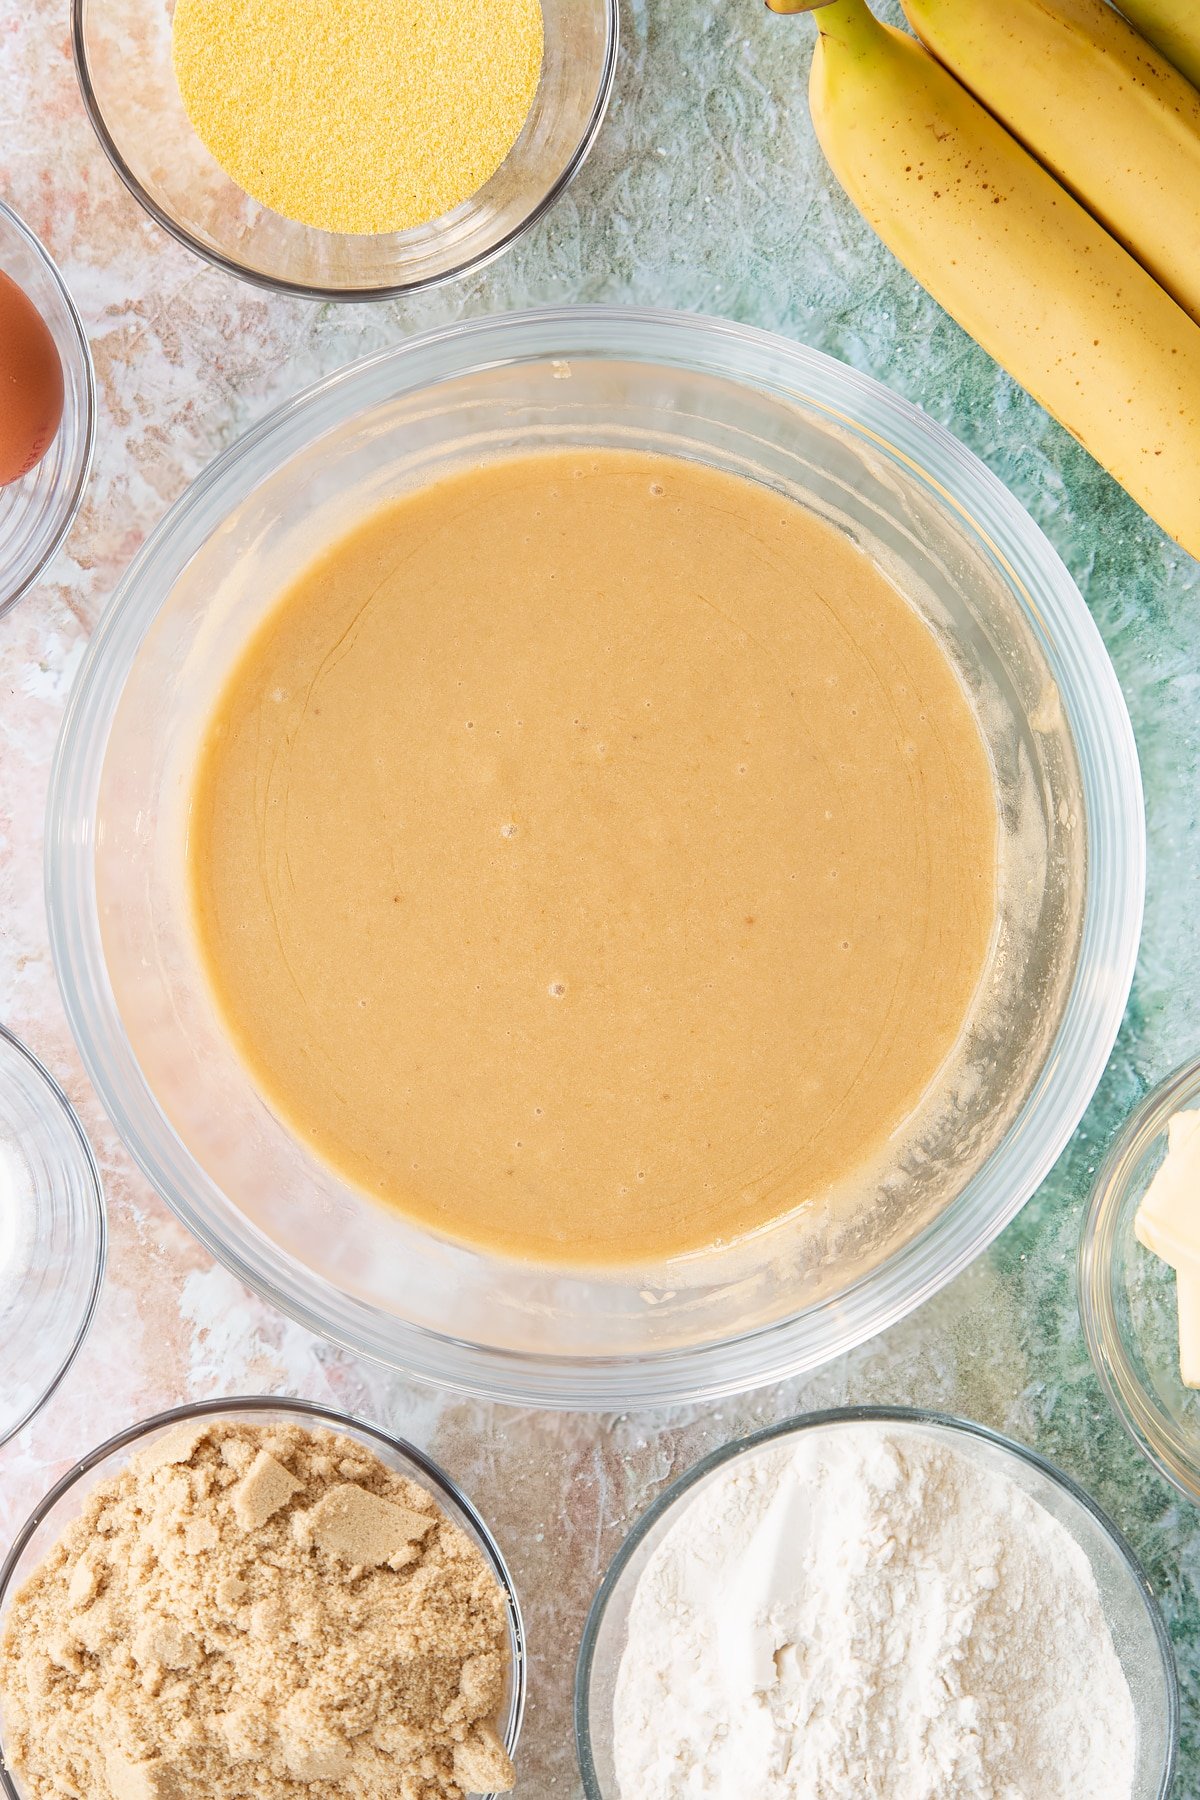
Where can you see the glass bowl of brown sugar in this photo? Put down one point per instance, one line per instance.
(198, 1524)
(127, 76)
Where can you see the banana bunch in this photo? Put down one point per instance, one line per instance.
(1037, 168)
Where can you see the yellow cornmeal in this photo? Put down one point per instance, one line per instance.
(358, 116)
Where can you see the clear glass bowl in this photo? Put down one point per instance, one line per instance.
(1138, 1632)
(36, 512)
(52, 1235)
(64, 1503)
(1072, 855)
(1127, 1294)
(123, 60)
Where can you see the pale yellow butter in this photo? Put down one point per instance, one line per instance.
(1168, 1223)
(1187, 1300)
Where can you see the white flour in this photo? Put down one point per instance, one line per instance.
(867, 1613)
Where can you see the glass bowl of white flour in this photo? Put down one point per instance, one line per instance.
(879, 1603)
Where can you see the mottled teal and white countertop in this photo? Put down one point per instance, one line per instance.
(706, 192)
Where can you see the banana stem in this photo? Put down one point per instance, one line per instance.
(851, 18)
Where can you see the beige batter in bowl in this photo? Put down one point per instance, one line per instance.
(593, 858)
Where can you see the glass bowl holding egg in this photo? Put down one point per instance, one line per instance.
(47, 408)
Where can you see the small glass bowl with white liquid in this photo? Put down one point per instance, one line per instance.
(52, 1235)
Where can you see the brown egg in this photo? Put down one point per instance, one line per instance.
(31, 384)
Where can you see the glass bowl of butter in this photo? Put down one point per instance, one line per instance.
(702, 1065)
(1139, 1277)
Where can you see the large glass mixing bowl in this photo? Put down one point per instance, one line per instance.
(1070, 883)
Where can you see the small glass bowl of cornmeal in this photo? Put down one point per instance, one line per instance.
(344, 152)
(1139, 1277)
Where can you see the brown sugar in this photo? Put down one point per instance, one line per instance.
(359, 116)
(257, 1611)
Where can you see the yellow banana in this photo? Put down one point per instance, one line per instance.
(1103, 110)
(1014, 259)
(1174, 26)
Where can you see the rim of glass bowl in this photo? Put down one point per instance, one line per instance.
(1146, 1423)
(95, 1192)
(69, 502)
(836, 1415)
(1112, 908)
(309, 1411)
(311, 291)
